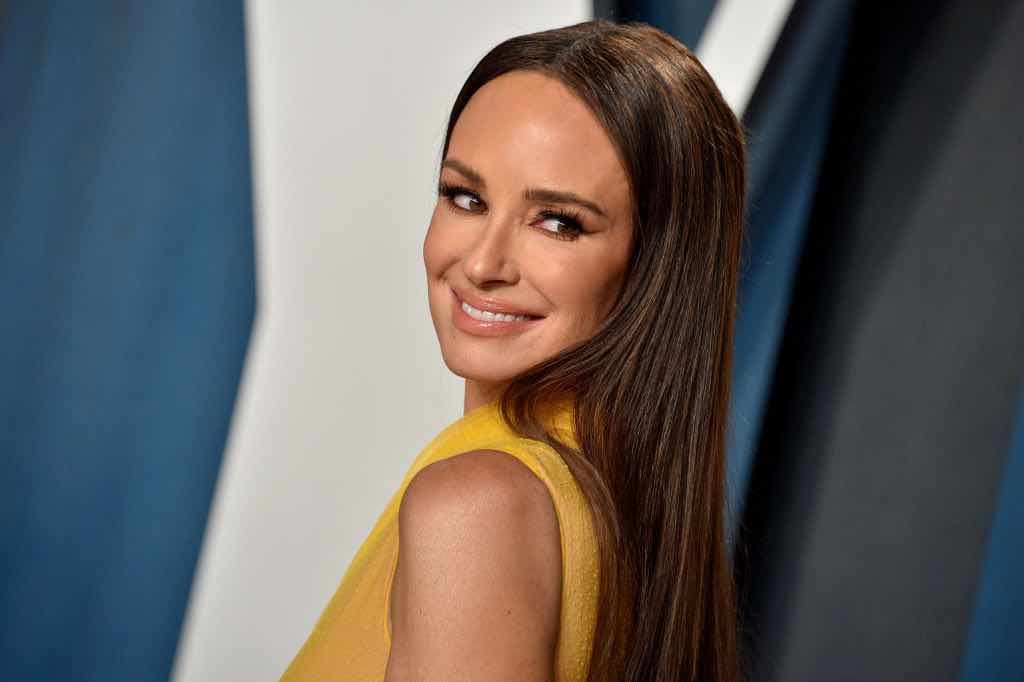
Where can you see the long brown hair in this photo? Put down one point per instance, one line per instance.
(651, 385)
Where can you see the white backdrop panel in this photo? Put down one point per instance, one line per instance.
(344, 382)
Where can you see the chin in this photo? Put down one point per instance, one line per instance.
(476, 368)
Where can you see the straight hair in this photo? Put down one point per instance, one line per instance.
(651, 386)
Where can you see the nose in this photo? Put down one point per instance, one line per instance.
(490, 259)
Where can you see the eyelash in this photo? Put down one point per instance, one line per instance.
(572, 220)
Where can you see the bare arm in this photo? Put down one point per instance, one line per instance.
(477, 591)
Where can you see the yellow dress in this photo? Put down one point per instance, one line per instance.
(351, 640)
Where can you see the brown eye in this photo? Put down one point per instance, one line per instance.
(562, 225)
(464, 201)
(459, 197)
(556, 225)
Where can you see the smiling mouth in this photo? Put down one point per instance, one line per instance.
(488, 316)
(499, 312)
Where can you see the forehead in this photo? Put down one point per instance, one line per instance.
(527, 127)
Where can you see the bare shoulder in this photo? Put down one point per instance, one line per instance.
(477, 591)
(483, 479)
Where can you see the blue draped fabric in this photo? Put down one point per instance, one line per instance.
(994, 650)
(788, 121)
(126, 302)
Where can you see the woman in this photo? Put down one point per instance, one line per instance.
(582, 266)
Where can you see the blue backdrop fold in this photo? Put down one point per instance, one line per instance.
(127, 297)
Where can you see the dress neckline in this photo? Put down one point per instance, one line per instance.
(557, 416)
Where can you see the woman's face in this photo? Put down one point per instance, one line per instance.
(524, 150)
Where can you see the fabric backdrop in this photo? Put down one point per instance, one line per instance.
(876, 444)
(126, 299)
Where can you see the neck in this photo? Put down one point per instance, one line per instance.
(479, 393)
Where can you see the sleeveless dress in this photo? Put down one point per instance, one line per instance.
(351, 639)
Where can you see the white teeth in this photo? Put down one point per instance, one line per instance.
(488, 316)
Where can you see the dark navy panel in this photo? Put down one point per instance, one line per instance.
(787, 122)
(895, 395)
(684, 20)
(126, 301)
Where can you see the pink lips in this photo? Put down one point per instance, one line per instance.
(476, 327)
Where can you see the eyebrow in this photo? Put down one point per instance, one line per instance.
(530, 193)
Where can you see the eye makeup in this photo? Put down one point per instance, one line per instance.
(572, 220)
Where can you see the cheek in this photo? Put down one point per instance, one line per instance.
(578, 289)
(607, 297)
(585, 291)
(434, 248)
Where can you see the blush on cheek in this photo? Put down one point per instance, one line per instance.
(438, 254)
